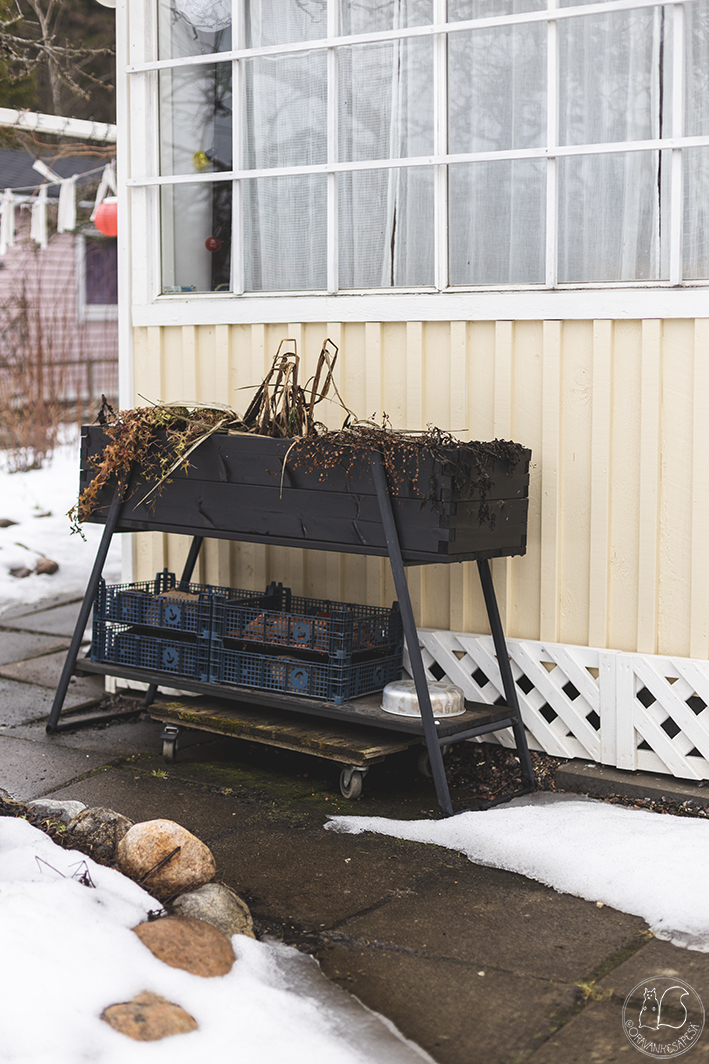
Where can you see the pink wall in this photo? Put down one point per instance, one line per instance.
(40, 318)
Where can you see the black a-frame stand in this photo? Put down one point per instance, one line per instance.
(479, 719)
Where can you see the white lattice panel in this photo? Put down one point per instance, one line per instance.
(633, 711)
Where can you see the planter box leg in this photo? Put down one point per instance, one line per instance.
(508, 683)
(407, 616)
(82, 621)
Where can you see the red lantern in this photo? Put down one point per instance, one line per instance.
(213, 243)
(106, 217)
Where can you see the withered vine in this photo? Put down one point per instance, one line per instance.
(158, 439)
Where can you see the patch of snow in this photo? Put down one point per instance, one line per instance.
(68, 953)
(24, 496)
(651, 865)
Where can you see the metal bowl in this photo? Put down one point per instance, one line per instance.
(400, 698)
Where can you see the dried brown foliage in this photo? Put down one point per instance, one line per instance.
(161, 438)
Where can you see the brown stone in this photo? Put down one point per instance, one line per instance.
(148, 1017)
(187, 943)
(46, 567)
(165, 857)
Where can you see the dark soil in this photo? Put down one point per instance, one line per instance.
(487, 772)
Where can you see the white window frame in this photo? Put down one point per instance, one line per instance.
(674, 297)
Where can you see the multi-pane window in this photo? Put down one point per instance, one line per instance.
(342, 145)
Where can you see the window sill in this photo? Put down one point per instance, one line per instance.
(656, 301)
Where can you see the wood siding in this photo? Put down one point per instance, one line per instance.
(616, 416)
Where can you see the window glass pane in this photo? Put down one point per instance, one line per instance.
(285, 117)
(193, 27)
(614, 217)
(285, 233)
(101, 271)
(697, 69)
(496, 227)
(615, 76)
(386, 100)
(284, 21)
(372, 15)
(497, 88)
(695, 245)
(196, 237)
(462, 10)
(386, 228)
(195, 119)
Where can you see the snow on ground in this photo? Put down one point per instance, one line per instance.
(654, 866)
(68, 952)
(23, 498)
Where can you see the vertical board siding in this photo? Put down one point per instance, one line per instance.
(615, 415)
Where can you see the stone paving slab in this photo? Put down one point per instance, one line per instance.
(23, 702)
(45, 672)
(596, 1036)
(661, 958)
(59, 620)
(24, 609)
(20, 646)
(31, 771)
(118, 738)
(534, 933)
(459, 1014)
(602, 780)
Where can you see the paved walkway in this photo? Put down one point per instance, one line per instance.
(472, 963)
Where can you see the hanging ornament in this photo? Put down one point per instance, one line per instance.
(200, 160)
(213, 243)
(106, 216)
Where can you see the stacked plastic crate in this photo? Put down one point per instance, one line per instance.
(303, 646)
(154, 625)
(272, 641)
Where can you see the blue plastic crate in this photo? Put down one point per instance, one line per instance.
(120, 644)
(338, 629)
(158, 603)
(332, 682)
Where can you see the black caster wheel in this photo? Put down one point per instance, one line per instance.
(424, 761)
(351, 783)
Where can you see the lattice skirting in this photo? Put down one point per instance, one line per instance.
(633, 711)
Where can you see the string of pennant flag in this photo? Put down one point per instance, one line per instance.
(37, 204)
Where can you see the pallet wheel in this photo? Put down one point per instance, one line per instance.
(424, 761)
(351, 781)
(170, 743)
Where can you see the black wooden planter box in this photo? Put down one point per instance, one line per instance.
(232, 490)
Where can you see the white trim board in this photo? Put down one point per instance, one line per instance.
(538, 305)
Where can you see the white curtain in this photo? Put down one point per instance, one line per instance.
(386, 111)
(496, 101)
(285, 101)
(614, 209)
(615, 86)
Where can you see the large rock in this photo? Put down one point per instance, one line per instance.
(149, 1017)
(220, 906)
(52, 809)
(193, 945)
(165, 857)
(97, 832)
